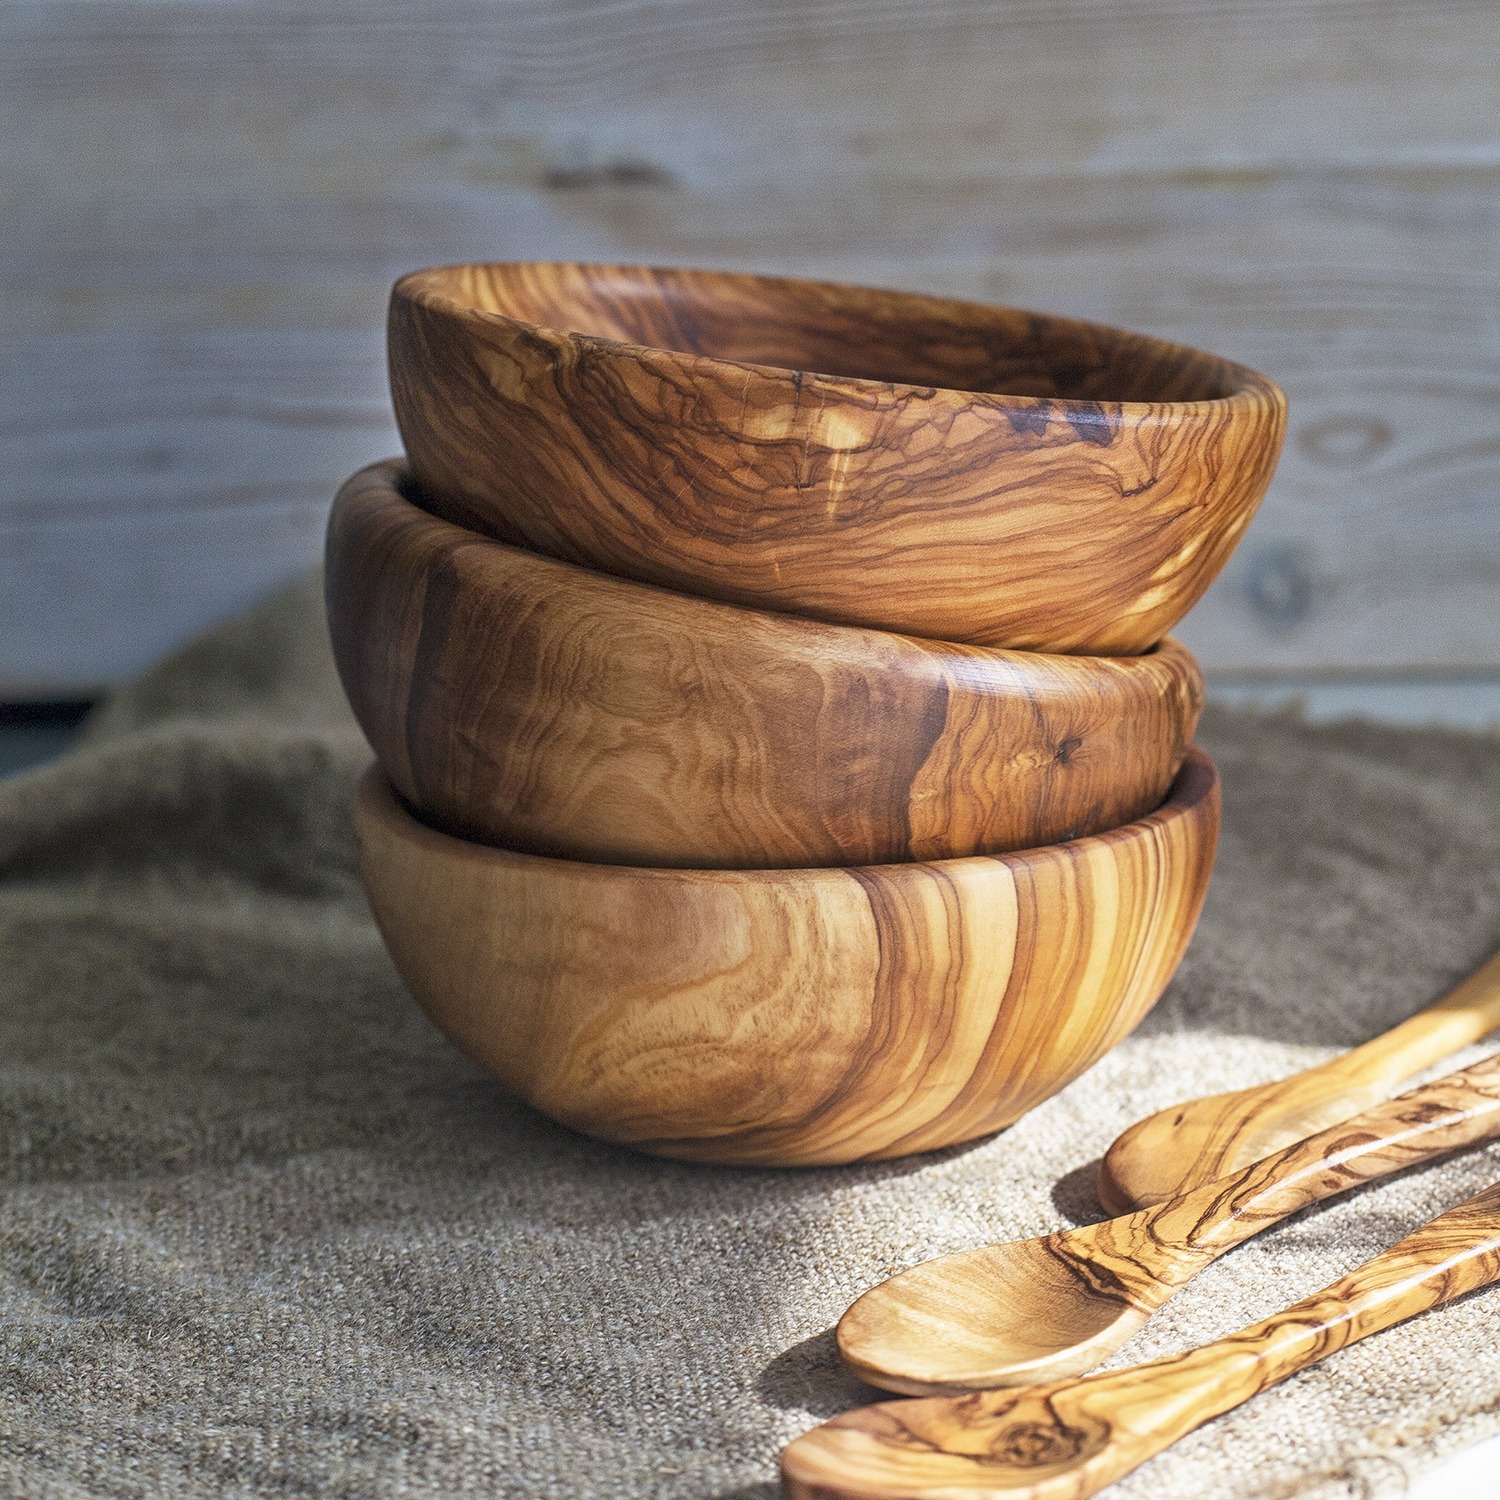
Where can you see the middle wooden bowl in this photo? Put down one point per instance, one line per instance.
(550, 709)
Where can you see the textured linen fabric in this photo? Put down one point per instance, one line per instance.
(264, 1232)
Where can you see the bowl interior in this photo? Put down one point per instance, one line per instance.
(845, 332)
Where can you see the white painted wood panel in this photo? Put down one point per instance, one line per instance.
(203, 205)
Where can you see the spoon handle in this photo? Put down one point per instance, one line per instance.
(1069, 1439)
(1419, 1126)
(1152, 1405)
(1181, 1148)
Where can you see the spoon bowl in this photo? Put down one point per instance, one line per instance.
(955, 1449)
(1004, 1315)
(1029, 1310)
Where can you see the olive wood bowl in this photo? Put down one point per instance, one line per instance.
(940, 468)
(551, 709)
(790, 1017)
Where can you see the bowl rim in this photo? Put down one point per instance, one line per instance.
(430, 287)
(394, 476)
(1196, 783)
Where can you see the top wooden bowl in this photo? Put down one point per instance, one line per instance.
(939, 468)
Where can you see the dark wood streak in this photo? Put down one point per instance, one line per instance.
(1012, 1314)
(1069, 1439)
(789, 1016)
(945, 469)
(550, 709)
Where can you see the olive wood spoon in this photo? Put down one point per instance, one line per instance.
(1193, 1143)
(1029, 1310)
(1068, 1439)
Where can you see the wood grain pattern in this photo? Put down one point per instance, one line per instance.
(1179, 1148)
(1033, 1310)
(790, 1016)
(939, 468)
(556, 710)
(1070, 1439)
(206, 205)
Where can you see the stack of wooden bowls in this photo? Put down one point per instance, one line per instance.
(781, 755)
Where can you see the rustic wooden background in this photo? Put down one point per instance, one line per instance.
(203, 205)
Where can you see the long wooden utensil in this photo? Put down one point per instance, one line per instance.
(1193, 1143)
(1030, 1310)
(1067, 1440)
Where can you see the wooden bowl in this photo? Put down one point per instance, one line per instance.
(790, 1016)
(549, 708)
(940, 468)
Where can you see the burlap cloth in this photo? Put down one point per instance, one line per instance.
(265, 1232)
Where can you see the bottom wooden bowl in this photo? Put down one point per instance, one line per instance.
(791, 1017)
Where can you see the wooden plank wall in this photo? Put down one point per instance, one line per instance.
(205, 200)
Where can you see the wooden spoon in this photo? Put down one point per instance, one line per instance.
(1013, 1314)
(1193, 1143)
(1069, 1439)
